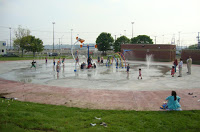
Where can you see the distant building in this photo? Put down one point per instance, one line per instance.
(2, 47)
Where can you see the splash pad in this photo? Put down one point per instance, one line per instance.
(156, 76)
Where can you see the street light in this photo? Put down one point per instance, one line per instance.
(71, 38)
(132, 28)
(10, 37)
(53, 35)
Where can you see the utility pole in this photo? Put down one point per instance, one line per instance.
(155, 39)
(53, 35)
(173, 40)
(132, 28)
(115, 37)
(10, 37)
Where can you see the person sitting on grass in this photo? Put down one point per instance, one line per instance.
(173, 102)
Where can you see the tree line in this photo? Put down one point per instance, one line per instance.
(26, 42)
(105, 41)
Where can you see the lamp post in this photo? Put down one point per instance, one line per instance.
(53, 35)
(155, 39)
(71, 38)
(132, 28)
(10, 37)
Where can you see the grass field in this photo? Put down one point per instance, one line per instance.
(35, 58)
(26, 116)
(30, 58)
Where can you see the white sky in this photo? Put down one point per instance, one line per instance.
(88, 18)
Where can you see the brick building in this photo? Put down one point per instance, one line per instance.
(160, 52)
(195, 55)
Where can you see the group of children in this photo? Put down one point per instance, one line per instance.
(83, 65)
(127, 68)
(175, 64)
(140, 72)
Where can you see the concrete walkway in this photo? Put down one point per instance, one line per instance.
(96, 99)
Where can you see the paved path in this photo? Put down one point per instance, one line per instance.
(96, 99)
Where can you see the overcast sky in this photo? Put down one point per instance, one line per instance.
(88, 18)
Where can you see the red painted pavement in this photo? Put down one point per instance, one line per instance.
(96, 99)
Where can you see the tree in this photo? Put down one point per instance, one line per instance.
(19, 34)
(195, 46)
(119, 41)
(104, 41)
(32, 44)
(141, 39)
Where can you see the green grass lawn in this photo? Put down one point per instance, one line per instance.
(35, 58)
(25, 116)
(30, 58)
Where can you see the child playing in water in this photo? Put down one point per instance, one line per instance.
(102, 59)
(94, 65)
(54, 62)
(77, 60)
(128, 67)
(140, 74)
(46, 59)
(58, 68)
(98, 59)
(63, 60)
(33, 64)
(173, 71)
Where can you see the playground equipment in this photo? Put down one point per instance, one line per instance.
(117, 56)
(78, 40)
(82, 45)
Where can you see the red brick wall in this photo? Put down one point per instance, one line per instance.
(195, 55)
(160, 52)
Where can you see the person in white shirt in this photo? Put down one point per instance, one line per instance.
(180, 65)
(189, 64)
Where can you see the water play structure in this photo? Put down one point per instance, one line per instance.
(120, 61)
(82, 45)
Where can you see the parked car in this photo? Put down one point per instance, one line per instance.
(53, 54)
(10, 55)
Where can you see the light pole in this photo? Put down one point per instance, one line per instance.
(179, 39)
(132, 28)
(10, 37)
(71, 38)
(155, 39)
(53, 35)
(59, 43)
